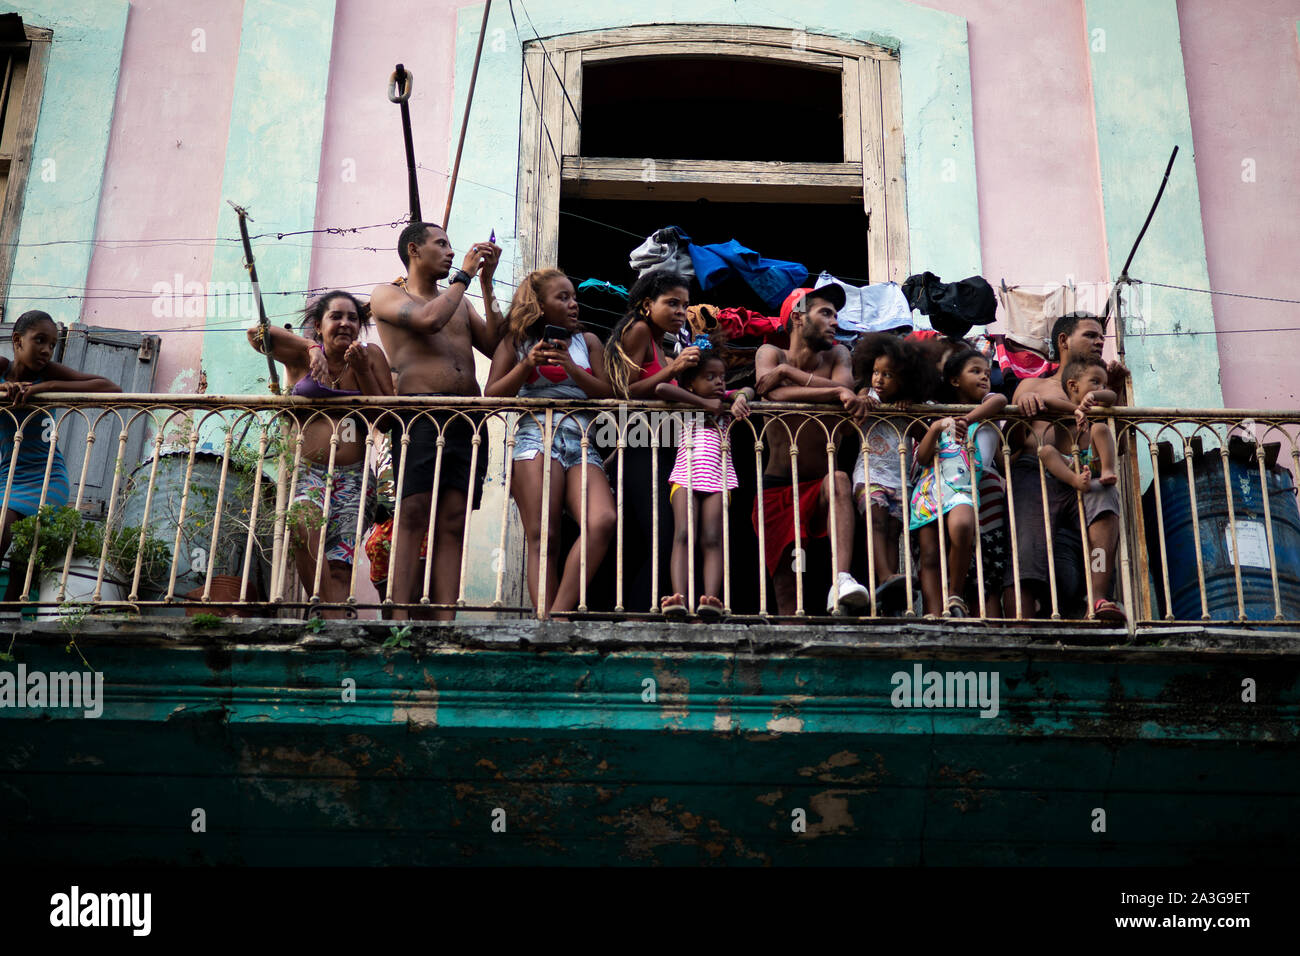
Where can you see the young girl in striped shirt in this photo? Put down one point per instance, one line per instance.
(699, 468)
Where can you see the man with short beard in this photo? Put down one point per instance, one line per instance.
(817, 370)
(1074, 336)
(430, 334)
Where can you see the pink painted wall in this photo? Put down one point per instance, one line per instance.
(1035, 157)
(163, 173)
(1036, 152)
(1038, 179)
(363, 135)
(1243, 82)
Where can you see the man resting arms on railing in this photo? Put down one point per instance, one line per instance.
(430, 335)
(816, 369)
(1076, 336)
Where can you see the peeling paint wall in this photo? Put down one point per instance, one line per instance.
(1142, 112)
(63, 185)
(815, 763)
(277, 120)
(1243, 84)
(162, 177)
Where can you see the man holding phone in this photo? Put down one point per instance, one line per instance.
(430, 334)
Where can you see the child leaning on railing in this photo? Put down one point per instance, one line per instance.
(887, 371)
(944, 489)
(700, 468)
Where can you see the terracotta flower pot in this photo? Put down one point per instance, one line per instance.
(225, 587)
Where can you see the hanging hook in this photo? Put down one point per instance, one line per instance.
(399, 85)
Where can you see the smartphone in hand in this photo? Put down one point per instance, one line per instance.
(556, 333)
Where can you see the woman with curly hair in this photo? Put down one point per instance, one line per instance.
(332, 363)
(546, 354)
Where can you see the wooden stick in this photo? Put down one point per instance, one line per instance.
(273, 380)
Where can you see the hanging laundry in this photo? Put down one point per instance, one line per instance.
(1029, 316)
(666, 248)
(953, 307)
(1023, 363)
(772, 279)
(603, 286)
(603, 303)
(748, 322)
(881, 307)
(704, 319)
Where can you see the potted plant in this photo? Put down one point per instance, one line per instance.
(54, 529)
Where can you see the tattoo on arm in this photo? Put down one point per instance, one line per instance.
(404, 315)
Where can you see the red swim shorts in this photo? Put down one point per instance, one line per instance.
(778, 516)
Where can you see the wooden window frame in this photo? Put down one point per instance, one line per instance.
(551, 165)
(20, 162)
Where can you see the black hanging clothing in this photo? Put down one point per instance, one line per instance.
(954, 308)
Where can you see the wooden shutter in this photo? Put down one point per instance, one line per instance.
(125, 357)
(22, 81)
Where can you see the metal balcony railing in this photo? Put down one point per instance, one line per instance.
(215, 518)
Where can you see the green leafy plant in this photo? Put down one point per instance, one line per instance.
(203, 619)
(124, 548)
(316, 625)
(399, 637)
(52, 530)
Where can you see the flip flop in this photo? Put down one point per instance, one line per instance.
(673, 607)
(1105, 610)
(709, 612)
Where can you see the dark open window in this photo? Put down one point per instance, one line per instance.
(717, 108)
(790, 143)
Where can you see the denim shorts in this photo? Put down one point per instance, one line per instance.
(566, 442)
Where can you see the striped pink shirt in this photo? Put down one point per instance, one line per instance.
(701, 440)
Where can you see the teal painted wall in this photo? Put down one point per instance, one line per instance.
(943, 216)
(1140, 97)
(72, 130)
(589, 771)
(272, 164)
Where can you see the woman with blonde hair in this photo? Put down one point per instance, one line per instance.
(546, 354)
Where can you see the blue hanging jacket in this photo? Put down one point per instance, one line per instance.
(772, 279)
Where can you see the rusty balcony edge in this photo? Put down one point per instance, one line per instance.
(869, 638)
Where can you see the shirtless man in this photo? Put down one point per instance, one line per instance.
(816, 369)
(1076, 336)
(429, 334)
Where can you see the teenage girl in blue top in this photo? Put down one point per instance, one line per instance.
(332, 363)
(29, 374)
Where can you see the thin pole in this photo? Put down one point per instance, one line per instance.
(464, 123)
(1123, 273)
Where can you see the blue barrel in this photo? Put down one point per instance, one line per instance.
(1252, 554)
